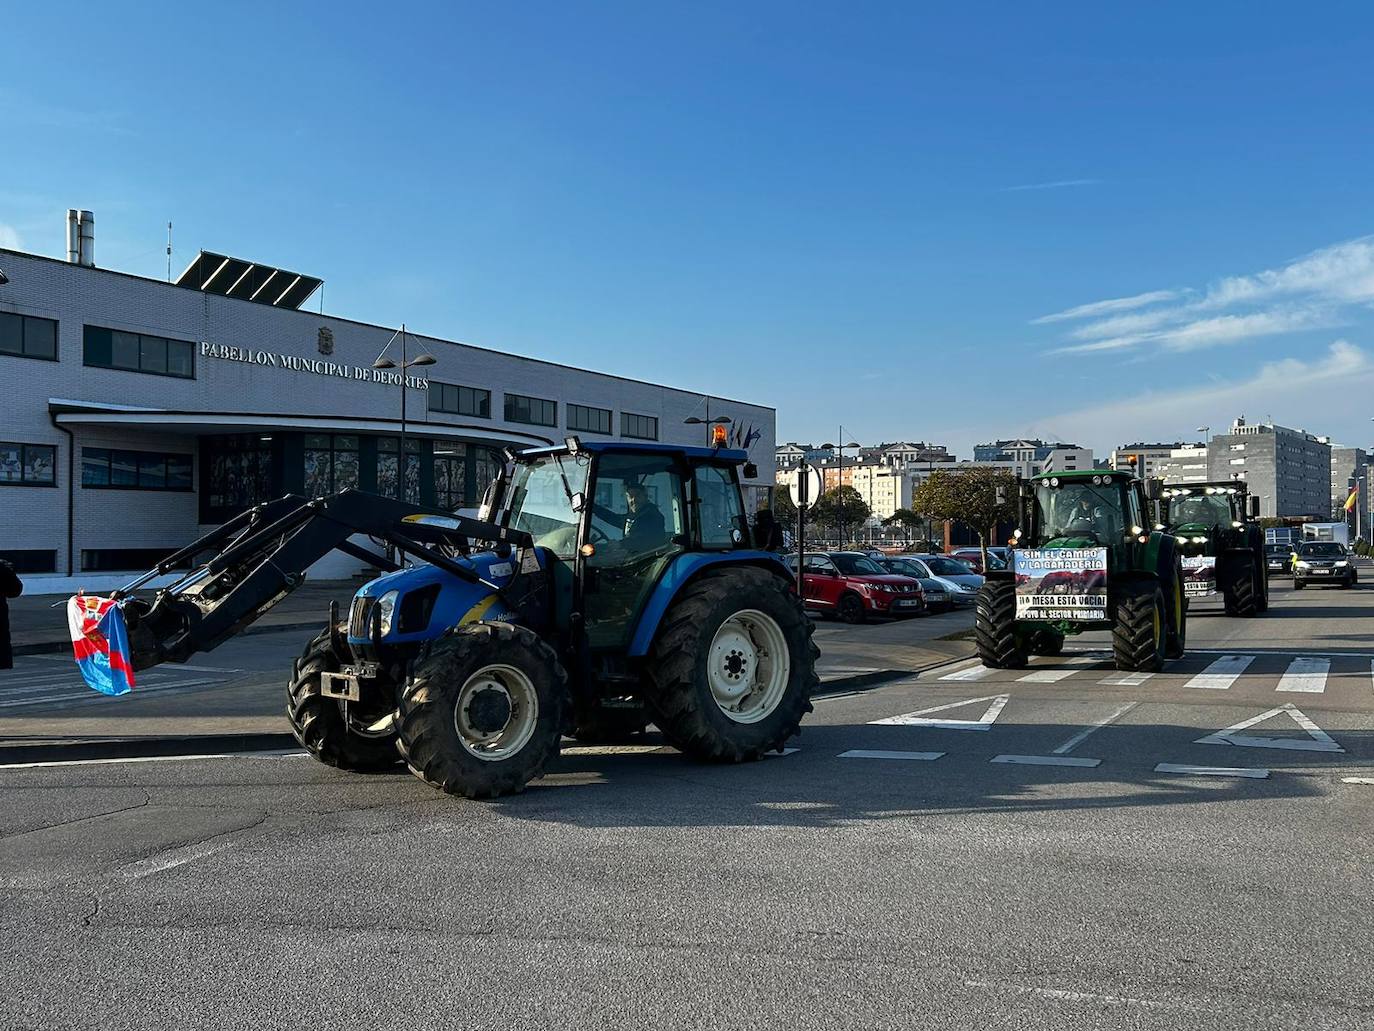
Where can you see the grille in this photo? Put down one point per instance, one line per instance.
(357, 617)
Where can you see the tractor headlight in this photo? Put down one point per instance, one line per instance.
(1236, 524)
(1199, 540)
(386, 605)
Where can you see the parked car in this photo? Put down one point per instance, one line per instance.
(960, 581)
(1278, 559)
(853, 587)
(973, 558)
(1324, 562)
(936, 592)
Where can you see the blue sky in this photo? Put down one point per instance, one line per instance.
(858, 213)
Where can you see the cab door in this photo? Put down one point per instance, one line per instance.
(635, 525)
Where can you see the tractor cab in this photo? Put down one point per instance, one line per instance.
(1083, 510)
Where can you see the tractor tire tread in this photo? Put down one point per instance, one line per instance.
(316, 721)
(994, 626)
(1133, 640)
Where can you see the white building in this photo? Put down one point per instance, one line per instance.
(1186, 464)
(138, 414)
(1149, 457)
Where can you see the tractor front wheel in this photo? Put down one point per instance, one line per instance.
(321, 725)
(994, 626)
(1046, 642)
(1138, 638)
(1176, 613)
(733, 668)
(482, 712)
(1240, 598)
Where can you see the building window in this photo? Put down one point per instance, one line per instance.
(1237, 461)
(138, 352)
(239, 472)
(114, 469)
(450, 475)
(35, 560)
(388, 468)
(28, 465)
(532, 410)
(112, 560)
(331, 464)
(589, 420)
(641, 427)
(456, 400)
(26, 336)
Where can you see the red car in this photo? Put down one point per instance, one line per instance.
(973, 557)
(854, 587)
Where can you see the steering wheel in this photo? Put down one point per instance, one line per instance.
(596, 535)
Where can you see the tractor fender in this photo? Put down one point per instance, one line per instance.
(685, 569)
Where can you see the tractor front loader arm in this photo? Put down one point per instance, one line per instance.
(261, 556)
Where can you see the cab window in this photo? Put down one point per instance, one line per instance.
(718, 507)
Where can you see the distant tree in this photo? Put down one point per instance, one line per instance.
(840, 509)
(1269, 522)
(783, 510)
(969, 496)
(906, 519)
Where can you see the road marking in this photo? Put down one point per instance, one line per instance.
(179, 857)
(1327, 654)
(920, 718)
(1126, 680)
(878, 753)
(1046, 760)
(1317, 740)
(266, 754)
(1212, 771)
(85, 695)
(1305, 675)
(1357, 780)
(1222, 673)
(1053, 676)
(971, 673)
(1082, 735)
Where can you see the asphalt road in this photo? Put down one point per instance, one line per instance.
(927, 881)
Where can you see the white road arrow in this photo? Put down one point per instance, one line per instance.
(922, 718)
(1317, 740)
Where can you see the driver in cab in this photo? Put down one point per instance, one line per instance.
(645, 529)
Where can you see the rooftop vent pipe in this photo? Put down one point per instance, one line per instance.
(80, 237)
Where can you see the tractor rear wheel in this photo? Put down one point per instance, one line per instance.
(1240, 590)
(994, 626)
(482, 711)
(1138, 638)
(320, 724)
(603, 725)
(733, 668)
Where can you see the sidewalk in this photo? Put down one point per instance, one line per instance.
(37, 627)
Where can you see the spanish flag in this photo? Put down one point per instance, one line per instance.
(1350, 501)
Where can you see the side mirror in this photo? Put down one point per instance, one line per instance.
(1001, 493)
(1154, 488)
(1254, 506)
(579, 501)
(1025, 490)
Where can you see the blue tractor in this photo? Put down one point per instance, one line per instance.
(602, 586)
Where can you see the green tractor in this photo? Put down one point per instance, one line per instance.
(1083, 559)
(1221, 542)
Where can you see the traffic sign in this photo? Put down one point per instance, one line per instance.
(806, 488)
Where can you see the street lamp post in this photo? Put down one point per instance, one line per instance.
(383, 362)
(696, 420)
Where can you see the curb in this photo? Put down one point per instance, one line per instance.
(142, 748)
(53, 647)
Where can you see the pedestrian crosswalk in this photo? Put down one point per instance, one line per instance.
(1280, 673)
(50, 681)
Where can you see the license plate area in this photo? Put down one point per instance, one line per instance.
(1321, 572)
(346, 685)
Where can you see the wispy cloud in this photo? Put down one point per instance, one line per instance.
(1115, 304)
(1316, 291)
(1279, 387)
(1214, 331)
(1057, 184)
(9, 237)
